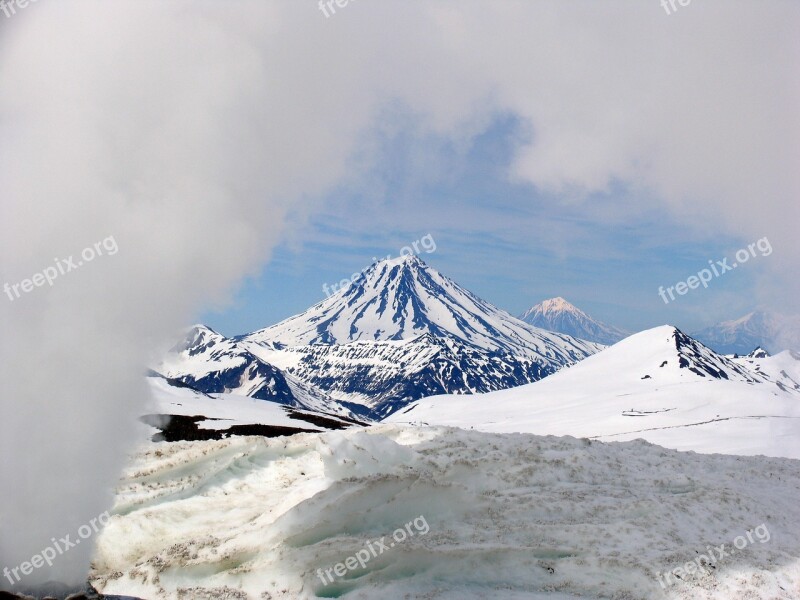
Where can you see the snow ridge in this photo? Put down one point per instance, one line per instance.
(660, 385)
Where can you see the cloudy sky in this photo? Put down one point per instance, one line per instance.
(595, 152)
(244, 153)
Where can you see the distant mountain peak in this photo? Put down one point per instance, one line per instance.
(760, 328)
(557, 304)
(559, 315)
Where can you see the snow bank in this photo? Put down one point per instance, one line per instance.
(510, 516)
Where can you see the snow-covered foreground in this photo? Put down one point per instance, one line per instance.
(509, 516)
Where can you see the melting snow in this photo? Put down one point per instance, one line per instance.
(510, 516)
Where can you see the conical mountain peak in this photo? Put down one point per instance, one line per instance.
(557, 314)
(403, 298)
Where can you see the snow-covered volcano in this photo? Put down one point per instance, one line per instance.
(403, 298)
(402, 332)
(660, 385)
(556, 314)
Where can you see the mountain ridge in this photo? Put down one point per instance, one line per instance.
(400, 332)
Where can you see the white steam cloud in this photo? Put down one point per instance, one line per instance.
(188, 130)
(164, 126)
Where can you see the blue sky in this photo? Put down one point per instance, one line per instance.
(504, 239)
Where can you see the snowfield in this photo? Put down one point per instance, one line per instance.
(510, 516)
(659, 385)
